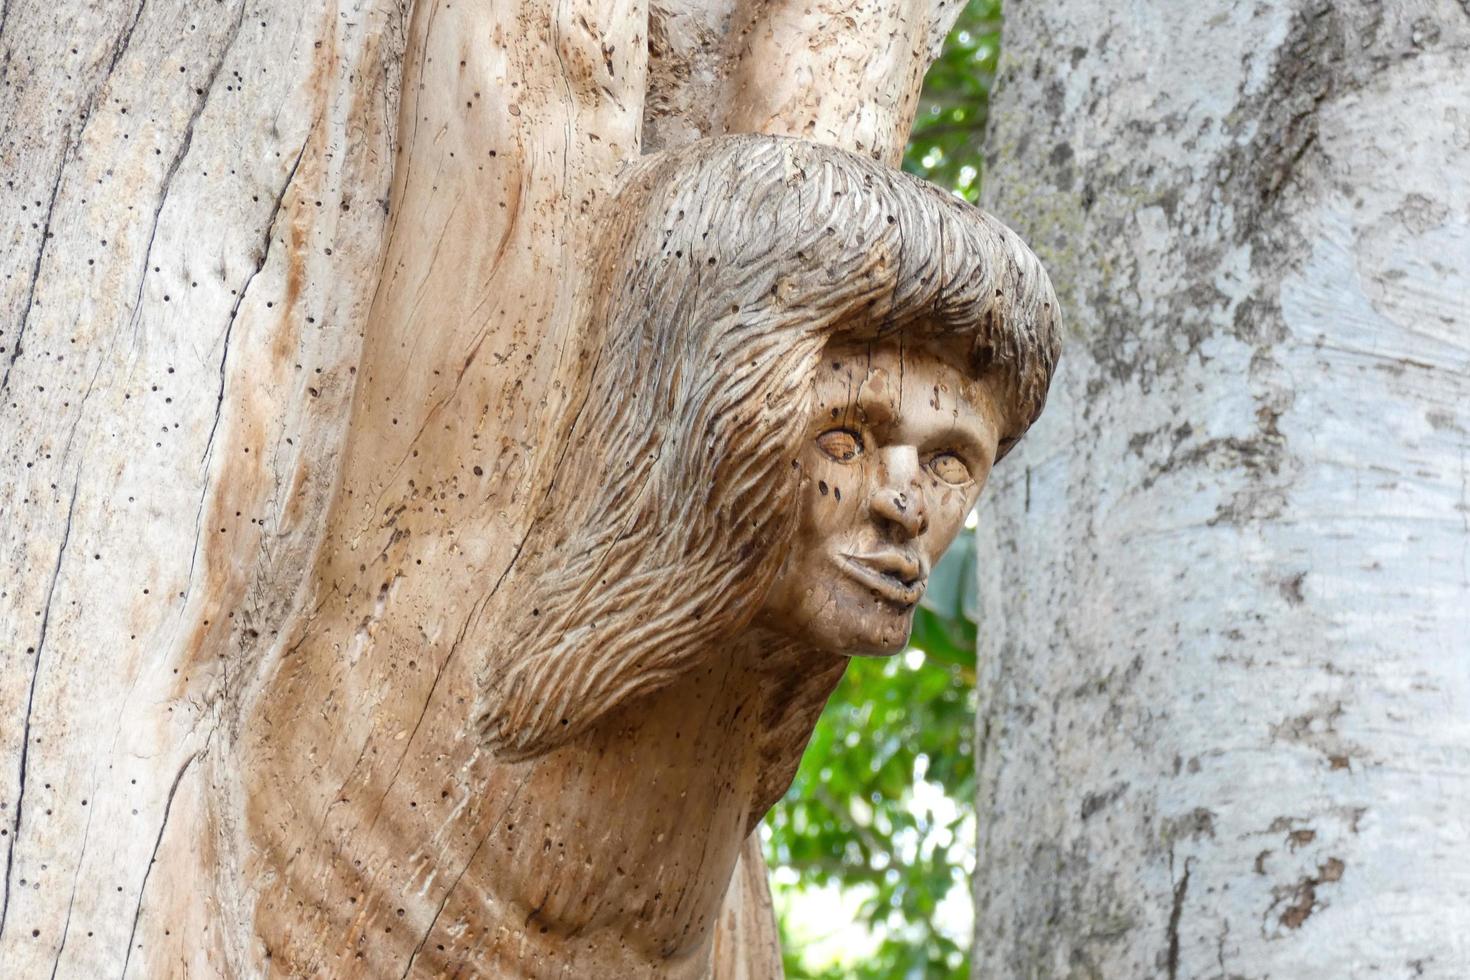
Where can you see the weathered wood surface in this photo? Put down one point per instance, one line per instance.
(793, 362)
(195, 208)
(241, 272)
(1223, 728)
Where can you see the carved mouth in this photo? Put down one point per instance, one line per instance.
(892, 576)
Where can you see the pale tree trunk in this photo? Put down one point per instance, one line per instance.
(1224, 725)
(244, 279)
(195, 206)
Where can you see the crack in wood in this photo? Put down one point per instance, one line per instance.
(25, 742)
(124, 42)
(153, 857)
(270, 229)
(1181, 888)
(66, 155)
(428, 701)
(206, 90)
(25, 315)
(75, 880)
(459, 877)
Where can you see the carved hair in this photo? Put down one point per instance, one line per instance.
(727, 267)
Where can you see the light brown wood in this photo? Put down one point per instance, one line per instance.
(562, 754)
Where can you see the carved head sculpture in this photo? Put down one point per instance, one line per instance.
(801, 366)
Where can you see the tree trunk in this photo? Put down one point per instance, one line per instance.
(255, 306)
(1222, 724)
(196, 204)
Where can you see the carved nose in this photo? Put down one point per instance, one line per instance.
(895, 500)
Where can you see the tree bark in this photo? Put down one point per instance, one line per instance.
(1227, 603)
(254, 303)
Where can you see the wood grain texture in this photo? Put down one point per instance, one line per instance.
(609, 664)
(194, 214)
(295, 315)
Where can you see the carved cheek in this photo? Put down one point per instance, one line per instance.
(819, 518)
(828, 496)
(847, 483)
(947, 508)
(830, 483)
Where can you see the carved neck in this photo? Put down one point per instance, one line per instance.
(650, 809)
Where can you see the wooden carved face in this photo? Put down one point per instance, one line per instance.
(897, 448)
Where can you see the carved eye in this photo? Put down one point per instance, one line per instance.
(950, 468)
(842, 445)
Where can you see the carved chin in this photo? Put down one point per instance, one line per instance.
(854, 626)
(883, 638)
(893, 641)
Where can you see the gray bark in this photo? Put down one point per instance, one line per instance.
(1226, 588)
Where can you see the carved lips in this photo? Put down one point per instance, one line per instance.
(892, 575)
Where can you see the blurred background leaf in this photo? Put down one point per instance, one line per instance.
(873, 845)
(949, 132)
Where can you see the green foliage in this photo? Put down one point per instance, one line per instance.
(946, 145)
(852, 818)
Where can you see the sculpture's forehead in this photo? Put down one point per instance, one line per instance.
(892, 377)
